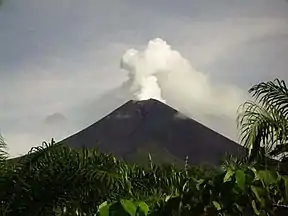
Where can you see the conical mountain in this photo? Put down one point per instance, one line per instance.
(139, 127)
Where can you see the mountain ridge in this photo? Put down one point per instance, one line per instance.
(136, 123)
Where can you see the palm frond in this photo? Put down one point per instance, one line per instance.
(279, 149)
(264, 121)
(3, 148)
(272, 95)
(261, 126)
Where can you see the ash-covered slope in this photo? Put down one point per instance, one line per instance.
(138, 124)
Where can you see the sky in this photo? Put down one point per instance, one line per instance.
(60, 59)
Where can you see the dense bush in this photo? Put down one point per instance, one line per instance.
(57, 180)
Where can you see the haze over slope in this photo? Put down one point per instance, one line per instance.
(162, 73)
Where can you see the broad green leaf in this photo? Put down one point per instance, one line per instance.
(256, 211)
(268, 177)
(256, 191)
(143, 208)
(116, 209)
(103, 204)
(240, 179)
(259, 192)
(228, 175)
(216, 205)
(103, 209)
(129, 207)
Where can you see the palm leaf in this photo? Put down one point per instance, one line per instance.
(279, 149)
(264, 121)
(272, 95)
(3, 149)
(261, 126)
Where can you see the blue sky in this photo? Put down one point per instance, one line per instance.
(64, 55)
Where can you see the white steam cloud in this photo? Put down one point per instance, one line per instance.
(142, 67)
(161, 73)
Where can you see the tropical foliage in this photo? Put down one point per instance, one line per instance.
(54, 179)
(57, 180)
(263, 122)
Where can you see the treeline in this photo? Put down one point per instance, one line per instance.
(57, 180)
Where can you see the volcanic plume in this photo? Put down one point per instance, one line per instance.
(162, 73)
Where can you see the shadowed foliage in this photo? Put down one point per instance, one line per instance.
(57, 180)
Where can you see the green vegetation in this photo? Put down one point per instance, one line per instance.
(55, 180)
(264, 122)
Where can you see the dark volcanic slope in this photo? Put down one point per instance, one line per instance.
(139, 123)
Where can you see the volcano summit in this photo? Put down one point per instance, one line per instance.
(140, 127)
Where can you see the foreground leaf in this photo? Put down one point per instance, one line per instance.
(129, 207)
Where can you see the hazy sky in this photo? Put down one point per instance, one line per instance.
(63, 56)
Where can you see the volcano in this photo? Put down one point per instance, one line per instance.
(140, 127)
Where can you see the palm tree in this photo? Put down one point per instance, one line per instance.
(264, 121)
(3, 148)
(62, 179)
(3, 156)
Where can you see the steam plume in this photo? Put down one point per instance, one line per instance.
(162, 73)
